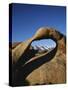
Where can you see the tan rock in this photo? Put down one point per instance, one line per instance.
(47, 68)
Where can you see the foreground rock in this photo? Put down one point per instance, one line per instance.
(45, 68)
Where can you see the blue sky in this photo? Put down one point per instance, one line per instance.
(26, 19)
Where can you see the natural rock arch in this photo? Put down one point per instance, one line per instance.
(42, 33)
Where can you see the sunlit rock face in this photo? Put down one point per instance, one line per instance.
(51, 68)
(54, 71)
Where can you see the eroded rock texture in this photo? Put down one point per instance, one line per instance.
(48, 67)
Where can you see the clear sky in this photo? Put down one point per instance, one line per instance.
(26, 19)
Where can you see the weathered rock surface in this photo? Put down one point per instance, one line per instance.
(45, 68)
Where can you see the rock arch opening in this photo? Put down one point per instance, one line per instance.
(45, 44)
